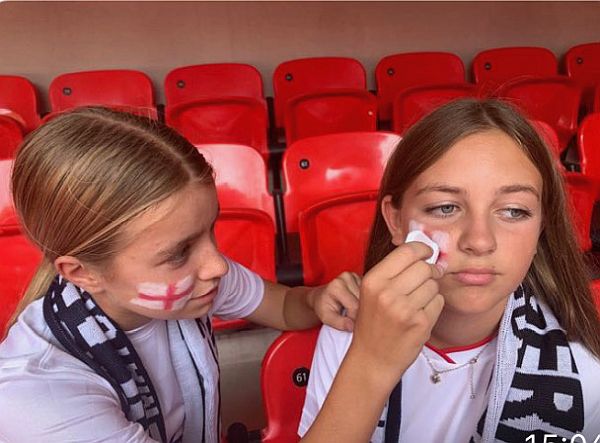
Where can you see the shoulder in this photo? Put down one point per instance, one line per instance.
(588, 366)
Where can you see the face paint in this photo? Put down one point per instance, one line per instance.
(438, 241)
(159, 296)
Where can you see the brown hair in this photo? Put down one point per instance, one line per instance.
(558, 271)
(78, 179)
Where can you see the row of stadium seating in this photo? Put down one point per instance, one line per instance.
(329, 187)
(225, 103)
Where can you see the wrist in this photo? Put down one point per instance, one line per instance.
(381, 374)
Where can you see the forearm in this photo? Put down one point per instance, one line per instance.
(298, 308)
(354, 404)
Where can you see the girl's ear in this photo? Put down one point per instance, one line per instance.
(391, 215)
(77, 273)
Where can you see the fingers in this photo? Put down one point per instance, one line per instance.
(401, 258)
(434, 308)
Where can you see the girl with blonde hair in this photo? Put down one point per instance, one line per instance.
(499, 340)
(113, 340)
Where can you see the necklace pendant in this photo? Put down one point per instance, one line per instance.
(435, 378)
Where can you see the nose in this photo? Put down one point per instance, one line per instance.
(212, 265)
(477, 236)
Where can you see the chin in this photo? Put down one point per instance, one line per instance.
(473, 300)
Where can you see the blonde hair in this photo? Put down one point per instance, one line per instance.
(558, 271)
(78, 179)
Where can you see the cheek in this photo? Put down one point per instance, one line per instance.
(164, 296)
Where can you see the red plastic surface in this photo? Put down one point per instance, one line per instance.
(494, 67)
(241, 177)
(398, 72)
(413, 104)
(241, 120)
(283, 380)
(583, 193)
(549, 136)
(582, 63)
(307, 75)
(596, 100)
(126, 90)
(318, 168)
(18, 95)
(326, 253)
(553, 100)
(189, 83)
(328, 112)
(11, 136)
(588, 145)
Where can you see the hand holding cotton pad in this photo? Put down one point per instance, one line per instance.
(420, 236)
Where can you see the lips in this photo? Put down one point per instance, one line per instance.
(475, 276)
(207, 296)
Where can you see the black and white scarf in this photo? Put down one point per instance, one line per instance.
(535, 386)
(88, 334)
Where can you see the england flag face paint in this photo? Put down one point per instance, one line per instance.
(438, 241)
(165, 297)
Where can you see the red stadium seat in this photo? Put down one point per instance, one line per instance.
(582, 63)
(326, 253)
(553, 100)
(190, 83)
(588, 146)
(398, 72)
(583, 193)
(240, 120)
(549, 136)
(11, 134)
(494, 67)
(284, 376)
(330, 111)
(125, 90)
(318, 168)
(18, 261)
(241, 177)
(307, 75)
(218, 103)
(413, 104)
(18, 95)
(596, 100)
(245, 228)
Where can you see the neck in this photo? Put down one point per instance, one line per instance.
(457, 329)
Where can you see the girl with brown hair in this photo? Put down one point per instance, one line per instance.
(113, 340)
(497, 341)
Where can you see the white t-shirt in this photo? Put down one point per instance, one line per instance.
(47, 395)
(444, 411)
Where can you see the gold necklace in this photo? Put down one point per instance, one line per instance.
(436, 373)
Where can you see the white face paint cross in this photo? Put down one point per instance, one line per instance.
(167, 297)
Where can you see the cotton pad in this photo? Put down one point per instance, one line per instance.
(420, 236)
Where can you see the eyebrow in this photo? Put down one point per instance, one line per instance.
(510, 189)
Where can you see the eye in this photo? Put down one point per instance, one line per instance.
(516, 213)
(181, 256)
(442, 210)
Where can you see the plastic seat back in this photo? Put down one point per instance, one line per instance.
(549, 137)
(239, 120)
(398, 72)
(189, 83)
(284, 376)
(582, 63)
(413, 104)
(318, 168)
(325, 252)
(11, 136)
(582, 192)
(552, 100)
(329, 112)
(307, 75)
(588, 145)
(241, 177)
(494, 67)
(596, 100)
(18, 95)
(248, 237)
(127, 90)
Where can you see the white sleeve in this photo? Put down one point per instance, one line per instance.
(588, 367)
(66, 407)
(240, 292)
(332, 346)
